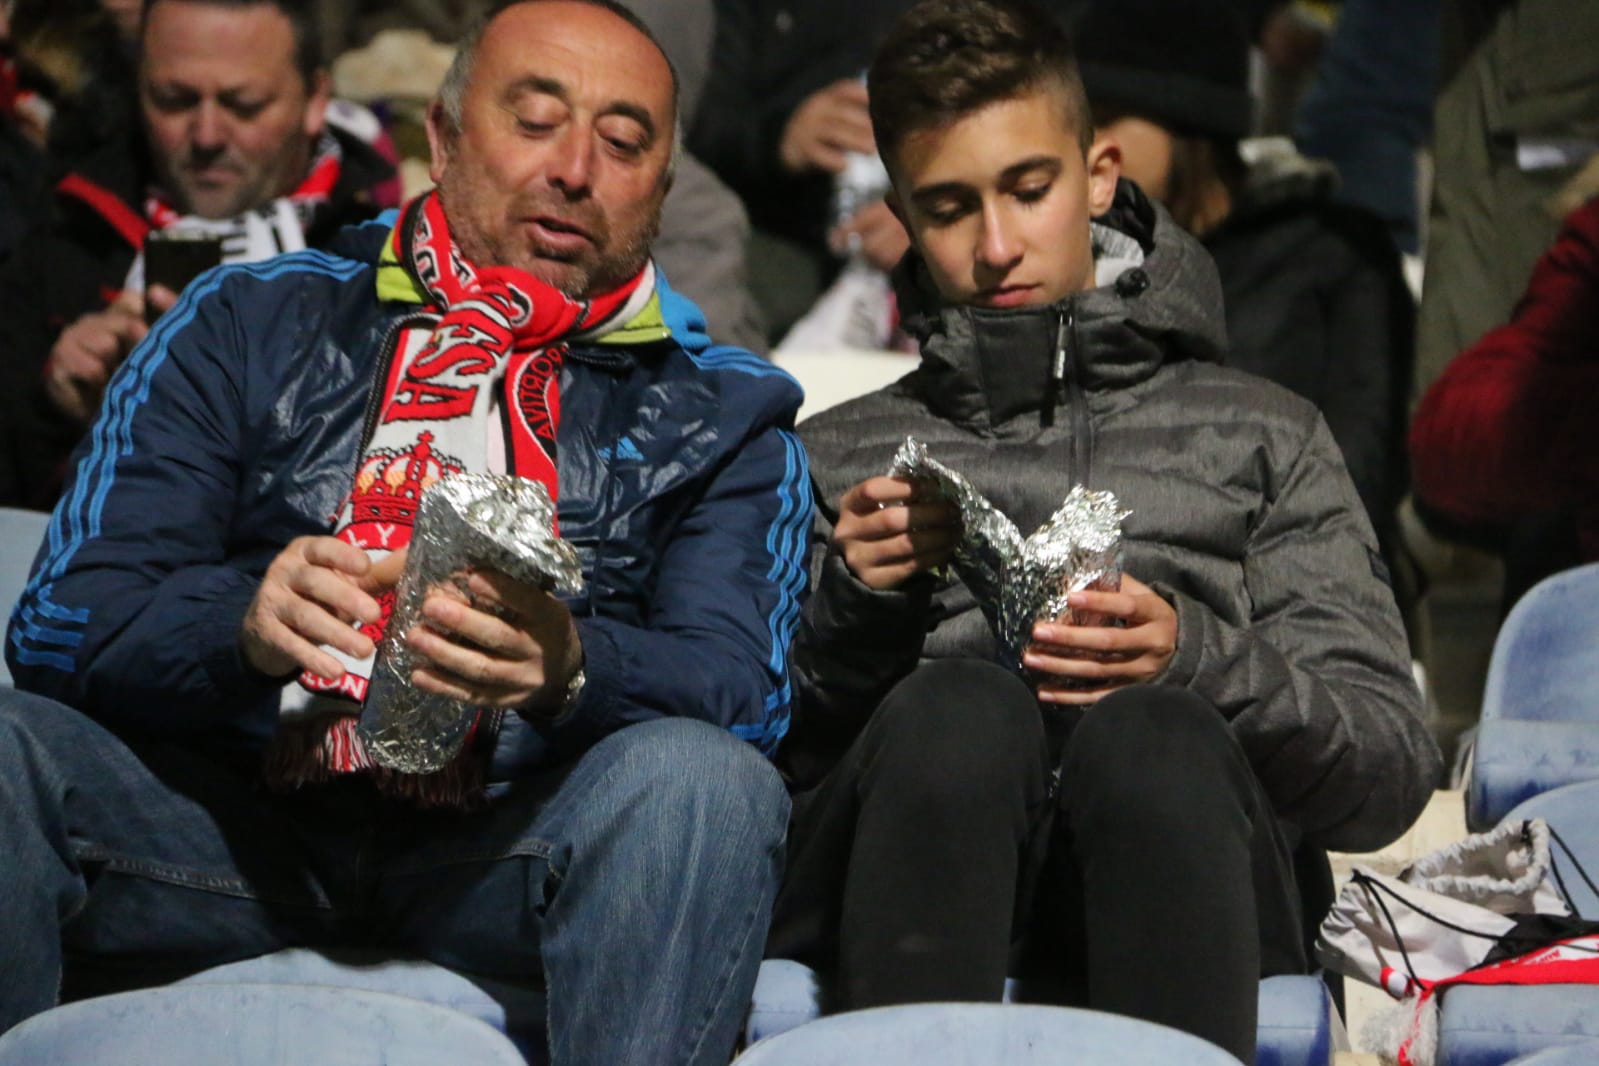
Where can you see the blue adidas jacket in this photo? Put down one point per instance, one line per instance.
(234, 428)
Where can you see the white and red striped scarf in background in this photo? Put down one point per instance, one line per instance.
(473, 386)
(276, 227)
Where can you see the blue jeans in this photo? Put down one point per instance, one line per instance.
(636, 882)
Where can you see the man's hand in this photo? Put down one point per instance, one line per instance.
(1106, 657)
(89, 351)
(876, 232)
(886, 533)
(311, 595)
(513, 646)
(826, 126)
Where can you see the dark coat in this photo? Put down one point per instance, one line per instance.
(1317, 303)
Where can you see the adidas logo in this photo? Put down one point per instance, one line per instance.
(625, 449)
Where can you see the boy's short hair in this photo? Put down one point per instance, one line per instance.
(944, 59)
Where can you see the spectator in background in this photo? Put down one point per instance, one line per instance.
(1517, 118)
(234, 141)
(1369, 108)
(784, 108)
(1314, 292)
(1503, 441)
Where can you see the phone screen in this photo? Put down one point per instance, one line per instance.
(175, 259)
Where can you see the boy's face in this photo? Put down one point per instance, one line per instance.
(998, 202)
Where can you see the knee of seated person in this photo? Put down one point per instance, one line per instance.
(681, 766)
(29, 722)
(1145, 741)
(954, 729)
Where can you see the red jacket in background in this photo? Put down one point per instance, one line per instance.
(1512, 426)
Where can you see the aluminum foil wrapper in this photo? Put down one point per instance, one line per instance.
(466, 521)
(1019, 582)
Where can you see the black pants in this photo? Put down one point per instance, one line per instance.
(1151, 880)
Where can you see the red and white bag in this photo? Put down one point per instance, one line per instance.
(1489, 909)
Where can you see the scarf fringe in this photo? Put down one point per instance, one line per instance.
(316, 751)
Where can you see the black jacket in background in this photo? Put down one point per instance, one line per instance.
(1316, 301)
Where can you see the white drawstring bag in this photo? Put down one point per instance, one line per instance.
(1489, 909)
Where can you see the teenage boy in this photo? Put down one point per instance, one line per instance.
(1138, 812)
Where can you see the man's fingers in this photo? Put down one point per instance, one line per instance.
(476, 626)
(384, 574)
(852, 90)
(159, 297)
(335, 554)
(317, 624)
(311, 657)
(335, 594)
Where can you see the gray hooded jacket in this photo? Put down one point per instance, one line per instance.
(1243, 517)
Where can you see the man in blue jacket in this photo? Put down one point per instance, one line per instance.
(193, 632)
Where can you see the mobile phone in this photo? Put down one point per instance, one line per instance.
(173, 259)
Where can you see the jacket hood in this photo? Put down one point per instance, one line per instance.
(1157, 299)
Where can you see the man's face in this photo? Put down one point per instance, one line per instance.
(560, 165)
(230, 119)
(998, 202)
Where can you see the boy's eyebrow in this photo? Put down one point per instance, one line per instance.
(535, 84)
(1010, 174)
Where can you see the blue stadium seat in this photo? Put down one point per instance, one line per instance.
(1490, 1026)
(978, 1034)
(20, 534)
(1540, 710)
(254, 1025)
(1298, 1023)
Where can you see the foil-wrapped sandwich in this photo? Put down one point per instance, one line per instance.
(466, 521)
(1018, 581)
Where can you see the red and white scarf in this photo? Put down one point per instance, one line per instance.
(473, 386)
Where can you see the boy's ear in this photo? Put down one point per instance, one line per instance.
(1104, 163)
(891, 198)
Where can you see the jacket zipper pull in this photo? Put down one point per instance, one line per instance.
(1057, 374)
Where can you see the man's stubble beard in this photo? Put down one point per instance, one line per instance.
(579, 281)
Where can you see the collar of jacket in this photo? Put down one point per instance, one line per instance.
(983, 367)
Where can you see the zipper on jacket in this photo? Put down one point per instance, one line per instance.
(1063, 389)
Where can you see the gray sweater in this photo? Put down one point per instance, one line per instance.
(1243, 517)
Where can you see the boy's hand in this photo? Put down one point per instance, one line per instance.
(886, 533)
(1106, 657)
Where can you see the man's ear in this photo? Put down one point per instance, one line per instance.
(316, 104)
(1104, 162)
(440, 136)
